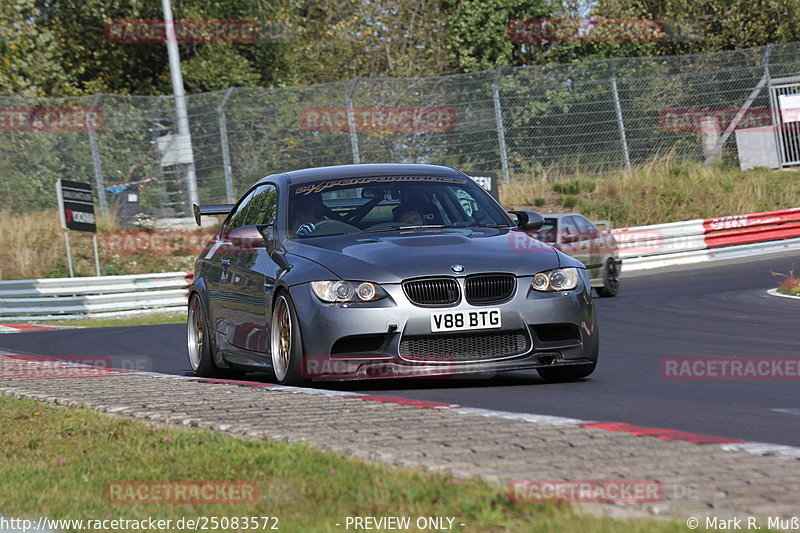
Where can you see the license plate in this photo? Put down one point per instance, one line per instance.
(465, 320)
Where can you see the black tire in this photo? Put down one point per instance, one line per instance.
(198, 340)
(610, 280)
(566, 373)
(202, 361)
(286, 352)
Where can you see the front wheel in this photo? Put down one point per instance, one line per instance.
(198, 340)
(286, 345)
(198, 343)
(610, 279)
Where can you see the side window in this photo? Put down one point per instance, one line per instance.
(569, 231)
(587, 229)
(547, 233)
(263, 205)
(238, 217)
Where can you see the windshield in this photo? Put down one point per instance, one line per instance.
(389, 203)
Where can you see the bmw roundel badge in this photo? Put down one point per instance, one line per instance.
(457, 268)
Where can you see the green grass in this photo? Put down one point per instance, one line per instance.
(661, 191)
(56, 462)
(134, 320)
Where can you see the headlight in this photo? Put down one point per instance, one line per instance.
(347, 291)
(560, 279)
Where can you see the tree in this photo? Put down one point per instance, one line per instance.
(29, 53)
(479, 35)
(694, 26)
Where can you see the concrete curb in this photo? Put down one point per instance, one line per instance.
(774, 292)
(22, 328)
(726, 476)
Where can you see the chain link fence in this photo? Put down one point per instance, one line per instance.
(586, 118)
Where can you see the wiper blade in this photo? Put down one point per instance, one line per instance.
(301, 237)
(380, 229)
(397, 228)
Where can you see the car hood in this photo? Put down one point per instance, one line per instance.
(390, 257)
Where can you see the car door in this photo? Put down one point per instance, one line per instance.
(591, 235)
(219, 259)
(252, 276)
(571, 240)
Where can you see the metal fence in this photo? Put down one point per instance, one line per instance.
(584, 118)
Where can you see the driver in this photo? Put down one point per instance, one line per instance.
(308, 211)
(408, 214)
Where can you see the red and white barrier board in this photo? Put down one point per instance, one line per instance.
(685, 242)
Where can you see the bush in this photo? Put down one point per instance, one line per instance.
(790, 284)
(569, 201)
(574, 186)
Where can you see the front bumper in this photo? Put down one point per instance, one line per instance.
(365, 341)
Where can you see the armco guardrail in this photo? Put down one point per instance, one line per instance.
(692, 241)
(641, 247)
(39, 299)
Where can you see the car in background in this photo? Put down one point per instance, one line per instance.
(577, 236)
(384, 271)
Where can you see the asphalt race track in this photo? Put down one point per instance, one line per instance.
(718, 309)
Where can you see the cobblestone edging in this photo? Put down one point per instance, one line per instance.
(716, 477)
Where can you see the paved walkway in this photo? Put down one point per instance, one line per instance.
(711, 478)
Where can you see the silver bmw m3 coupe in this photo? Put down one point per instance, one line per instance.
(384, 271)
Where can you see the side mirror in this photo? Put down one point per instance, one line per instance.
(566, 239)
(250, 236)
(528, 220)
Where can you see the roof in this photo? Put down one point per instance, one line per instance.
(559, 215)
(356, 171)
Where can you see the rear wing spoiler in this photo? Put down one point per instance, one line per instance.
(205, 210)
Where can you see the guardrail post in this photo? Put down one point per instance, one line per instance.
(351, 123)
(69, 254)
(620, 122)
(223, 139)
(501, 132)
(776, 112)
(98, 171)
